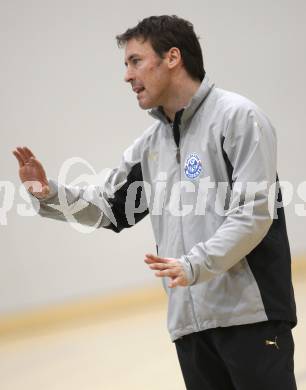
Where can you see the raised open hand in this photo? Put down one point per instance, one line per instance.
(31, 172)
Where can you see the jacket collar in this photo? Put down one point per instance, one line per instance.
(197, 99)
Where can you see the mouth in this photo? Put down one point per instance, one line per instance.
(138, 90)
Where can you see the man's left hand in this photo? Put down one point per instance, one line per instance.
(168, 267)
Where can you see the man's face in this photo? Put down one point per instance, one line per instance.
(147, 72)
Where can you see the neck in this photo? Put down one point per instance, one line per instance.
(179, 96)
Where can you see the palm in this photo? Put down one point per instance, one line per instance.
(31, 172)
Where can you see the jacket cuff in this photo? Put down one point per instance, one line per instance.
(188, 269)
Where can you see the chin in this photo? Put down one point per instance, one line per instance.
(145, 105)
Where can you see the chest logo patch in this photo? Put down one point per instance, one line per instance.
(193, 166)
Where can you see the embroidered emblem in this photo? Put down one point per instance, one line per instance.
(193, 166)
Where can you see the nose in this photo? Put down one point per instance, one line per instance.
(128, 77)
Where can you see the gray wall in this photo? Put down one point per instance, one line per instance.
(62, 94)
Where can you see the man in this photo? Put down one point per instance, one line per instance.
(226, 269)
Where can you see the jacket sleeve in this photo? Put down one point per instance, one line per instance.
(249, 144)
(117, 203)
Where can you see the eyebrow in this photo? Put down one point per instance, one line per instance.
(130, 57)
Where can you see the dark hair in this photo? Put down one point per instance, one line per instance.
(167, 31)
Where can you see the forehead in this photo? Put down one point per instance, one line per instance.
(138, 47)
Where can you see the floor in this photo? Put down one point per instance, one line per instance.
(130, 352)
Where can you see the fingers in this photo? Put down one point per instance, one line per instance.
(167, 267)
(170, 273)
(19, 158)
(160, 266)
(179, 281)
(28, 152)
(23, 155)
(175, 275)
(150, 259)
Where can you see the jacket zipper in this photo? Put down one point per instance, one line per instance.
(178, 160)
(178, 155)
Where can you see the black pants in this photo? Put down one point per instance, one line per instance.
(244, 357)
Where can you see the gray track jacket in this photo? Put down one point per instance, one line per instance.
(196, 179)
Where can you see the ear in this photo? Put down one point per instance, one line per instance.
(174, 57)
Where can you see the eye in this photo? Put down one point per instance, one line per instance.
(135, 61)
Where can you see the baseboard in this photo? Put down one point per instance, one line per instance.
(86, 309)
